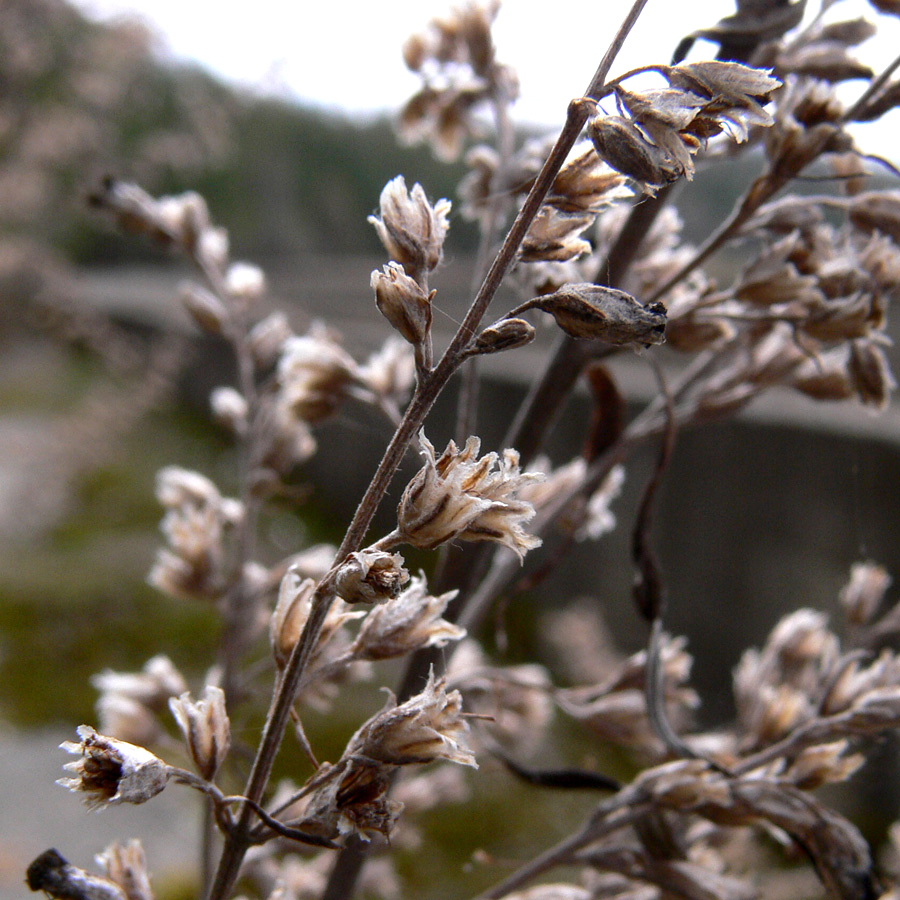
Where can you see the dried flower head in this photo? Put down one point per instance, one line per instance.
(408, 623)
(245, 283)
(194, 525)
(371, 576)
(129, 702)
(314, 375)
(455, 56)
(458, 496)
(411, 229)
(351, 799)
(112, 771)
(206, 728)
(427, 727)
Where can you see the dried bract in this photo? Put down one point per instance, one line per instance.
(112, 771)
(459, 496)
(314, 375)
(206, 728)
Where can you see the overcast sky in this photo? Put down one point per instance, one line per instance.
(346, 55)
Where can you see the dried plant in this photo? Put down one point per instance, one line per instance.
(589, 241)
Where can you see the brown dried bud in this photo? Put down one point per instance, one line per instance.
(593, 312)
(870, 373)
(863, 594)
(205, 727)
(370, 576)
(402, 302)
(506, 335)
(204, 308)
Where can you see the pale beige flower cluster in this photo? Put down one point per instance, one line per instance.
(459, 496)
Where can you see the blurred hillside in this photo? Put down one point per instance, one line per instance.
(79, 100)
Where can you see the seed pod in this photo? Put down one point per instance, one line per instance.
(625, 149)
(594, 312)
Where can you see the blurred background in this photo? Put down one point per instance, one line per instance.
(284, 126)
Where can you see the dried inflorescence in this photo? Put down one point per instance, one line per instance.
(195, 525)
(658, 133)
(456, 58)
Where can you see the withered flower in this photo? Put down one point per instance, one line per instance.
(112, 771)
(408, 623)
(411, 229)
(205, 727)
(863, 594)
(351, 799)
(129, 701)
(126, 866)
(194, 526)
(427, 727)
(291, 612)
(594, 312)
(507, 334)
(314, 375)
(57, 877)
(371, 576)
(402, 302)
(458, 496)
